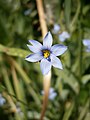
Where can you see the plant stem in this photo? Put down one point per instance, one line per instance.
(46, 78)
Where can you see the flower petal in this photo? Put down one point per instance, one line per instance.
(63, 36)
(35, 43)
(51, 90)
(56, 62)
(56, 28)
(34, 49)
(45, 66)
(52, 95)
(47, 42)
(86, 42)
(34, 57)
(58, 49)
(88, 49)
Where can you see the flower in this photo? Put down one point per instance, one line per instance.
(52, 93)
(63, 36)
(86, 42)
(46, 53)
(56, 28)
(27, 12)
(2, 100)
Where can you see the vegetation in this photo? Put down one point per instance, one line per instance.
(21, 82)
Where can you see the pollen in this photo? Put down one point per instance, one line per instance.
(46, 53)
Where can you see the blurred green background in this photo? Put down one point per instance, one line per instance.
(21, 82)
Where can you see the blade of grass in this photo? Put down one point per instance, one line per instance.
(68, 111)
(74, 20)
(18, 90)
(26, 79)
(84, 110)
(14, 51)
(9, 99)
(67, 12)
(7, 80)
(87, 116)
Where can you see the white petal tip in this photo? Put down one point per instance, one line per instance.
(26, 59)
(30, 41)
(66, 47)
(60, 67)
(28, 45)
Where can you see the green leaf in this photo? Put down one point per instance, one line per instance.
(85, 9)
(68, 111)
(87, 116)
(69, 78)
(85, 78)
(67, 12)
(84, 110)
(7, 81)
(2, 88)
(14, 51)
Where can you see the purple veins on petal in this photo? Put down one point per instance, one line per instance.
(34, 57)
(47, 42)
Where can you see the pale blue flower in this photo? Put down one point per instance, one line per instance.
(63, 36)
(27, 12)
(52, 93)
(46, 53)
(56, 28)
(2, 100)
(86, 43)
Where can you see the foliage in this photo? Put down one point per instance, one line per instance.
(21, 82)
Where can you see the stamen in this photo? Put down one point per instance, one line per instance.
(46, 53)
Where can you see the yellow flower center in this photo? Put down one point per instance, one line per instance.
(46, 53)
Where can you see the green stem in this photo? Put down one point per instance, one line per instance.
(76, 15)
(84, 111)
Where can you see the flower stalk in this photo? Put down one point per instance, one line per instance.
(46, 78)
